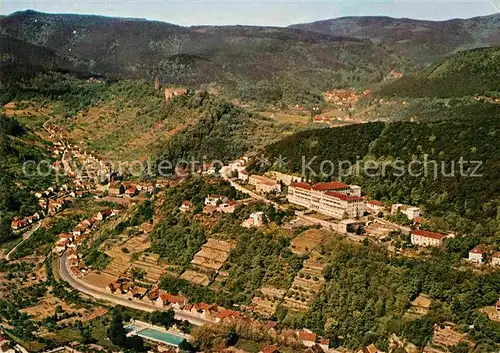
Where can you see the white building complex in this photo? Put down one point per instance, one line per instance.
(333, 199)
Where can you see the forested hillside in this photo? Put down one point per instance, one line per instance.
(423, 41)
(465, 203)
(473, 72)
(16, 147)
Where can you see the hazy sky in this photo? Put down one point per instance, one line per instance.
(280, 12)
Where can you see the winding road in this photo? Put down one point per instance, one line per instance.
(99, 293)
(26, 236)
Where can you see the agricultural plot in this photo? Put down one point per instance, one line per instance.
(149, 264)
(307, 241)
(268, 301)
(213, 254)
(137, 244)
(100, 280)
(305, 285)
(120, 263)
(196, 278)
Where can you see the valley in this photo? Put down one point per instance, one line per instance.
(315, 188)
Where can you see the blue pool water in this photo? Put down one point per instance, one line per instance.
(165, 337)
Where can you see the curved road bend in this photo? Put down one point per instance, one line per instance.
(99, 293)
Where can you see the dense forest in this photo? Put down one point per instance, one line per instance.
(458, 200)
(466, 73)
(367, 293)
(17, 146)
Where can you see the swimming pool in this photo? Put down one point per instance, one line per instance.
(165, 337)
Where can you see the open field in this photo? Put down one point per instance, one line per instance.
(100, 280)
(307, 241)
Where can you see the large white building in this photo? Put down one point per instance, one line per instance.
(425, 238)
(333, 199)
(477, 255)
(264, 184)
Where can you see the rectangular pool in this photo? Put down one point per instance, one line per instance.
(165, 337)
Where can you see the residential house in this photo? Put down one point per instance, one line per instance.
(374, 206)
(270, 349)
(256, 219)
(243, 175)
(186, 206)
(371, 349)
(227, 207)
(495, 258)
(113, 287)
(228, 315)
(215, 200)
(477, 255)
(167, 299)
(131, 191)
(116, 188)
(264, 184)
(324, 344)
(409, 211)
(307, 337)
(137, 292)
(104, 214)
(17, 224)
(425, 238)
(61, 246)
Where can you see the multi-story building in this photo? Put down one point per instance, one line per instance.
(411, 212)
(425, 238)
(477, 254)
(263, 184)
(332, 199)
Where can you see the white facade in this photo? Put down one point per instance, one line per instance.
(476, 255)
(424, 238)
(411, 212)
(331, 203)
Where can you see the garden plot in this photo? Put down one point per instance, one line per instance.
(307, 241)
(213, 254)
(305, 285)
(268, 301)
(196, 277)
(149, 264)
(137, 244)
(120, 263)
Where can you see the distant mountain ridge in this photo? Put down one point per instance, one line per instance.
(299, 61)
(424, 41)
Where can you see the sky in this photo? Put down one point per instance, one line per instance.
(260, 12)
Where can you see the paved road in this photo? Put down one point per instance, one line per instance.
(26, 236)
(100, 293)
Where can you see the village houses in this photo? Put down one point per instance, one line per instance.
(409, 211)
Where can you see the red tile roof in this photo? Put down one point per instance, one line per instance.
(375, 202)
(426, 234)
(333, 185)
(307, 336)
(301, 186)
(270, 349)
(344, 197)
(478, 250)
